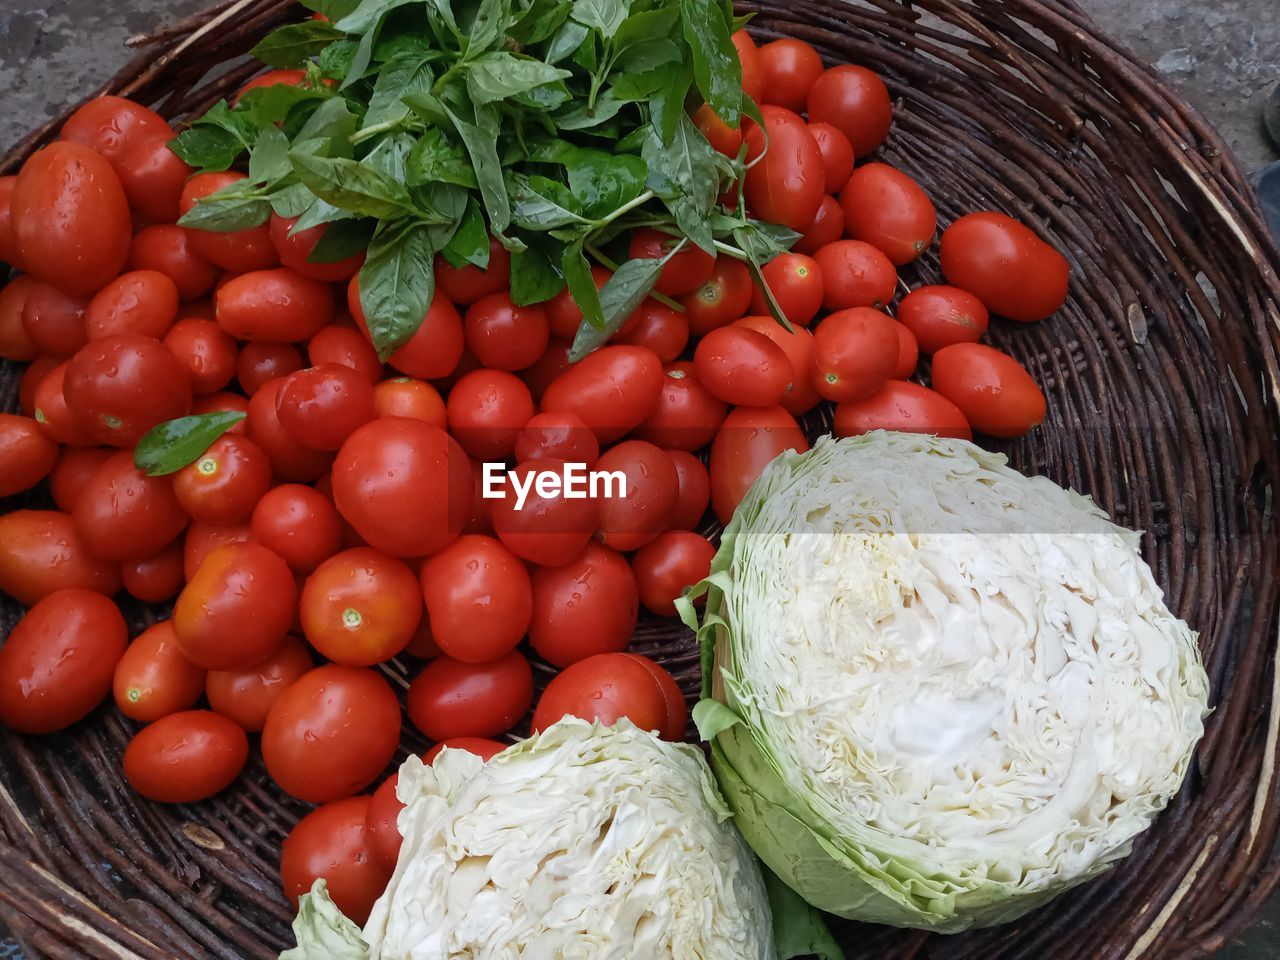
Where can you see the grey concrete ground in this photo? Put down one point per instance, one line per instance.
(1224, 55)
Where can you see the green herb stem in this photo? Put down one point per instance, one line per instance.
(610, 264)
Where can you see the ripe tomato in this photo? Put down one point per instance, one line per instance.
(480, 519)
(15, 343)
(347, 347)
(550, 528)
(73, 471)
(652, 488)
(156, 578)
(826, 227)
(122, 513)
(586, 607)
(478, 598)
(561, 436)
(605, 688)
(299, 523)
(435, 347)
(294, 250)
(223, 402)
(239, 251)
(332, 842)
(903, 406)
(658, 327)
(360, 607)
(855, 352)
(226, 482)
(563, 314)
(887, 209)
(467, 284)
(837, 156)
(613, 390)
(291, 459)
(752, 70)
(677, 721)
(70, 218)
(322, 406)
(110, 125)
(743, 367)
(790, 69)
(797, 285)
(487, 409)
(236, 609)
(687, 414)
(57, 663)
(747, 441)
(722, 299)
(695, 490)
(994, 391)
(1003, 263)
(277, 305)
(153, 177)
(30, 381)
(908, 354)
(153, 679)
(205, 351)
(246, 696)
(51, 412)
(667, 565)
(798, 346)
(503, 336)
(167, 249)
(26, 454)
(261, 362)
(685, 272)
(54, 320)
(379, 479)
(380, 823)
(415, 399)
(185, 757)
(40, 552)
(940, 316)
(856, 102)
(272, 78)
(331, 733)
(719, 134)
(482, 747)
(450, 698)
(550, 365)
(119, 387)
(786, 186)
(855, 274)
(203, 538)
(8, 243)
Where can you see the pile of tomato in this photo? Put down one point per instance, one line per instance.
(342, 522)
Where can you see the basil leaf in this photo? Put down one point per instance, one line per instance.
(390, 157)
(292, 45)
(269, 159)
(646, 26)
(666, 104)
(625, 291)
(397, 284)
(567, 39)
(207, 149)
(683, 174)
(751, 244)
(238, 206)
(267, 106)
(335, 60)
(437, 159)
(485, 28)
(332, 121)
(583, 117)
(581, 283)
(342, 239)
(497, 76)
(603, 15)
(355, 187)
(406, 74)
(540, 21)
(470, 242)
(481, 140)
(648, 55)
(539, 203)
(716, 66)
(333, 9)
(168, 447)
(368, 15)
(534, 277)
(601, 182)
(291, 201)
(320, 212)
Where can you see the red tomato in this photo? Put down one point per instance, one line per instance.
(237, 608)
(291, 459)
(562, 310)
(1003, 263)
(292, 78)
(677, 710)
(57, 663)
(855, 352)
(51, 411)
(652, 489)
(747, 441)
(295, 248)
(110, 125)
(360, 607)
(854, 101)
(239, 251)
(908, 354)
(993, 390)
(725, 297)
(786, 186)
(30, 381)
(322, 406)
(549, 528)
(743, 367)
(855, 274)
(658, 327)
(434, 349)
(156, 578)
(790, 69)
(887, 209)
(837, 156)
(826, 227)
(586, 607)
(205, 351)
(381, 828)
(482, 747)
(121, 386)
(70, 218)
(15, 343)
(26, 454)
(331, 733)
(685, 272)
(379, 479)
(223, 402)
(185, 757)
(719, 134)
(276, 305)
(605, 688)
(203, 538)
(480, 519)
(940, 316)
(153, 178)
(246, 696)
(687, 415)
(167, 249)
(54, 320)
(40, 552)
(122, 513)
(415, 399)
(450, 698)
(796, 282)
(666, 566)
(903, 406)
(467, 284)
(798, 346)
(561, 436)
(478, 598)
(153, 679)
(260, 362)
(226, 482)
(298, 523)
(613, 390)
(752, 70)
(487, 409)
(347, 347)
(8, 243)
(504, 336)
(695, 490)
(550, 365)
(332, 843)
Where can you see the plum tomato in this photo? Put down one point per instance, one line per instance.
(246, 696)
(123, 513)
(550, 365)
(1003, 263)
(487, 409)
(855, 274)
(40, 552)
(380, 823)
(677, 710)
(226, 482)
(785, 185)
(322, 406)
(185, 757)
(588, 606)
(752, 70)
(203, 538)
(613, 390)
(604, 688)
(261, 361)
(746, 442)
(54, 319)
(855, 352)
(121, 386)
(790, 67)
(504, 336)
(220, 402)
(687, 415)
(743, 367)
(856, 102)
(110, 125)
(887, 209)
(153, 679)
(695, 490)
(155, 578)
(294, 248)
(667, 565)
(908, 354)
(658, 327)
(360, 607)
(239, 251)
(826, 227)
(15, 342)
(478, 598)
(993, 390)
(278, 305)
(720, 135)
(725, 297)
(466, 284)
(206, 352)
(57, 663)
(51, 412)
(345, 346)
(685, 272)
(548, 527)
(450, 698)
(798, 346)
(332, 843)
(299, 523)
(797, 285)
(563, 313)
(153, 177)
(837, 156)
(414, 399)
(291, 459)
(27, 455)
(903, 406)
(940, 316)
(652, 489)
(166, 248)
(8, 243)
(435, 347)
(482, 747)
(30, 381)
(562, 436)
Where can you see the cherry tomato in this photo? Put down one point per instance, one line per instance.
(903, 406)
(236, 609)
(70, 218)
(747, 441)
(26, 454)
(246, 696)
(604, 688)
(725, 297)
(550, 365)
(685, 272)
(156, 578)
(550, 527)
(226, 482)
(415, 399)
(322, 406)
(719, 134)
(261, 362)
(613, 390)
(658, 327)
(940, 316)
(272, 78)
(482, 747)
(54, 320)
(379, 478)
(586, 607)
(40, 552)
(563, 313)
(855, 352)
(908, 354)
(752, 70)
(185, 757)
(332, 843)
(837, 156)
(790, 69)
(239, 251)
(786, 186)
(487, 409)
(203, 538)
(294, 249)
(110, 125)
(380, 823)
(994, 391)
(361, 607)
(797, 285)
(153, 177)
(652, 489)
(298, 523)
(687, 415)
(223, 402)
(122, 513)
(826, 227)
(798, 346)
(695, 490)
(30, 381)
(1003, 263)
(347, 347)
(276, 305)
(677, 722)
(290, 458)
(15, 343)
(855, 274)
(504, 336)
(450, 698)
(887, 209)
(854, 101)
(466, 284)
(743, 367)
(561, 436)
(167, 248)
(478, 598)
(434, 349)
(73, 471)
(51, 411)
(153, 679)
(667, 565)
(205, 351)
(8, 243)
(121, 386)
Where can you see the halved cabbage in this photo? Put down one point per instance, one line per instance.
(939, 692)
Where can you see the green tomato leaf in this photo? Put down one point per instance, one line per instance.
(168, 447)
(606, 16)
(397, 283)
(399, 77)
(470, 242)
(353, 186)
(582, 285)
(497, 76)
(625, 291)
(292, 45)
(534, 276)
(716, 66)
(342, 239)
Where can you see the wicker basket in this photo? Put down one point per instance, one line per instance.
(1162, 380)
